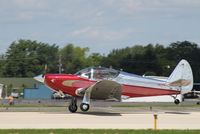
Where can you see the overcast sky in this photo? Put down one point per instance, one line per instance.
(100, 25)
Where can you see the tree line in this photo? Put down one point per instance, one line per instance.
(27, 58)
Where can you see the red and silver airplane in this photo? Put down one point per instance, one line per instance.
(101, 83)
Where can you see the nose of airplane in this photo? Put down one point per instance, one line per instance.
(50, 81)
(39, 78)
(48, 77)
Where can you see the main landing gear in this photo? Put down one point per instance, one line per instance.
(73, 106)
(84, 107)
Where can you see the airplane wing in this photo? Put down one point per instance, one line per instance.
(104, 90)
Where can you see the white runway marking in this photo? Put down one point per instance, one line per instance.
(98, 120)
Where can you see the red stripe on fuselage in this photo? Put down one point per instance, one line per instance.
(139, 91)
(56, 83)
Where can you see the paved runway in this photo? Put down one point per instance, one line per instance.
(103, 115)
(94, 120)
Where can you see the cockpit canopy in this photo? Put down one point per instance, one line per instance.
(98, 73)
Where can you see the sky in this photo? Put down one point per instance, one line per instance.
(101, 25)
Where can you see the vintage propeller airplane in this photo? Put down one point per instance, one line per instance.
(109, 84)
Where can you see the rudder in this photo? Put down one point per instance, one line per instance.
(182, 77)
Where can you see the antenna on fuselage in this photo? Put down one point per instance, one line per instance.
(92, 73)
(60, 64)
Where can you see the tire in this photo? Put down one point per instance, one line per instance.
(84, 107)
(72, 108)
(176, 101)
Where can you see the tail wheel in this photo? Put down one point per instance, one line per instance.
(176, 101)
(84, 107)
(72, 108)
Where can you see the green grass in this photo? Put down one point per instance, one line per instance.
(94, 131)
(114, 106)
(30, 105)
(18, 82)
(155, 105)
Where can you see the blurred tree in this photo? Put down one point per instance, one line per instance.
(2, 63)
(182, 50)
(26, 58)
(73, 58)
(94, 59)
(185, 50)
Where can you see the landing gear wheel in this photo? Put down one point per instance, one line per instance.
(176, 101)
(84, 107)
(72, 108)
(73, 105)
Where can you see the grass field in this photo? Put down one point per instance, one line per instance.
(64, 103)
(163, 105)
(30, 105)
(95, 131)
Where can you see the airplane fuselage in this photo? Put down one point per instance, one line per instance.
(69, 84)
(109, 84)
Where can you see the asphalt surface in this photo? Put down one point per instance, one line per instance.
(98, 120)
(101, 115)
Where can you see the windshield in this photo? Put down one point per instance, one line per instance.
(98, 73)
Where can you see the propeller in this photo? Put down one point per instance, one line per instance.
(40, 78)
